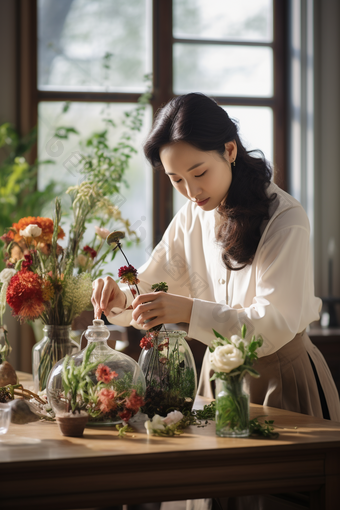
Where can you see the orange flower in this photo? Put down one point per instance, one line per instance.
(107, 400)
(47, 291)
(25, 296)
(134, 401)
(46, 225)
(104, 374)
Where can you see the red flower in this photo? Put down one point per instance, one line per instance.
(163, 360)
(25, 296)
(90, 251)
(27, 262)
(134, 401)
(7, 238)
(146, 343)
(128, 274)
(107, 401)
(125, 415)
(163, 345)
(104, 374)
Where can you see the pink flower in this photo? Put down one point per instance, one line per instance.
(102, 232)
(134, 401)
(106, 398)
(104, 374)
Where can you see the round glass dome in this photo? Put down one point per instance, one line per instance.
(107, 384)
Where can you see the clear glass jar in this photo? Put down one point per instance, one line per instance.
(110, 391)
(55, 345)
(232, 408)
(170, 372)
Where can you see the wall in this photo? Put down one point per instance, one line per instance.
(327, 141)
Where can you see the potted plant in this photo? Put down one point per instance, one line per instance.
(73, 420)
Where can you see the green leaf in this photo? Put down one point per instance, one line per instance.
(218, 335)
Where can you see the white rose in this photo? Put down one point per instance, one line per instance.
(173, 417)
(156, 423)
(225, 358)
(31, 231)
(6, 275)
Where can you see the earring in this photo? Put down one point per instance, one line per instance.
(234, 163)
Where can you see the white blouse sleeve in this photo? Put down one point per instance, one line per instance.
(283, 304)
(167, 263)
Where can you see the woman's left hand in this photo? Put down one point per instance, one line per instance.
(162, 308)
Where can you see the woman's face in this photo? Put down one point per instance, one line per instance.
(203, 177)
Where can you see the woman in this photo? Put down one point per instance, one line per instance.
(237, 253)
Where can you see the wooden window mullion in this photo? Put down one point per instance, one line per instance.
(163, 92)
(28, 98)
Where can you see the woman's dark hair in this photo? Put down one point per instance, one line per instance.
(200, 121)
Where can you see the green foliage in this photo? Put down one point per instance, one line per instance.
(161, 286)
(103, 168)
(19, 196)
(232, 408)
(75, 380)
(266, 431)
(123, 430)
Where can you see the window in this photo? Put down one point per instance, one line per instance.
(94, 53)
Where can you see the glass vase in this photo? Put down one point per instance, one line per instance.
(54, 346)
(170, 373)
(232, 408)
(109, 399)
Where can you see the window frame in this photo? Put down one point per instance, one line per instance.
(162, 42)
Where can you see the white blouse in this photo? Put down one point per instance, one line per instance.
(274, 296)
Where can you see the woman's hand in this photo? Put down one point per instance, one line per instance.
(162, 308)
(106, 295)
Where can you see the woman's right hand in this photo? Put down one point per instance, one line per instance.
(106, 295)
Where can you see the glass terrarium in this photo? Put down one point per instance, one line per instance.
(170, 372)
(107, 384)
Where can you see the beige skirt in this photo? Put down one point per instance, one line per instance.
(287, 380)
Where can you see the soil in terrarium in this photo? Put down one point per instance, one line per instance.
(170, 393)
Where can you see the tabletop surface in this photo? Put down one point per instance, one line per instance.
(42, 440)
(40, 468)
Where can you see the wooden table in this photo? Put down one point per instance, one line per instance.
(55, 472)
